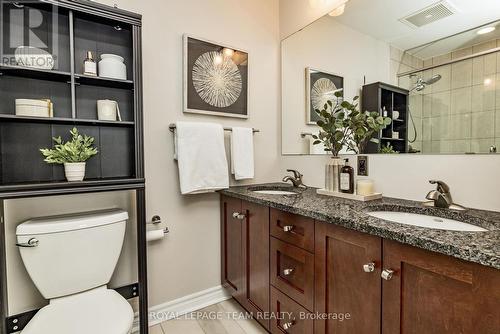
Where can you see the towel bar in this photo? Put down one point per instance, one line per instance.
(172, 128)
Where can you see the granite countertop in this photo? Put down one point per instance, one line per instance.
(478, 247)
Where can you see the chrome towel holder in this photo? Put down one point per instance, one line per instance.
(172, 128)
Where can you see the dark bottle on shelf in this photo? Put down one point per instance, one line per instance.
(346, 179)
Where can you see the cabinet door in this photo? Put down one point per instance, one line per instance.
(232, 252)
(347, 297)
(434, 293)
(256, 261)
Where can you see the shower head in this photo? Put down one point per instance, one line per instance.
(433, 79)
(421, 83)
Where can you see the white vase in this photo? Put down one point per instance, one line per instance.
(75, 171)
(112, 66)
(332, 171)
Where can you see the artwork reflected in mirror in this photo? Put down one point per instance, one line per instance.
(438, 80)
(320, 88)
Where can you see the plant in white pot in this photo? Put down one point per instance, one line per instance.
(73, 154)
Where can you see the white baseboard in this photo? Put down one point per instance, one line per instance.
(184, 305)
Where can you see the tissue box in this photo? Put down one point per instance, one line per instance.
(34, 108)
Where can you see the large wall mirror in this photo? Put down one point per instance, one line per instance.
(432, 67)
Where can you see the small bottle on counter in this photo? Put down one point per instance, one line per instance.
(89, 65)
(346, 179)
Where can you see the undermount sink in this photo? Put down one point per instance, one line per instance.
(278, 191)
(426, 221)
(274, 192)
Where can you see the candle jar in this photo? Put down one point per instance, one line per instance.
(365, 187)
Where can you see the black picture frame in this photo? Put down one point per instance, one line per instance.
(206, 64)
(316, 82)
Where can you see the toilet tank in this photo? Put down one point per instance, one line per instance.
(74, 253)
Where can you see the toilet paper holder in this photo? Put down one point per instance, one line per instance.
(157, 220)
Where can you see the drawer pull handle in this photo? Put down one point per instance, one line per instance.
(288, 272)
(288, 228)
(369, 267)
(387, 274)
(288, 325)
(238, 215)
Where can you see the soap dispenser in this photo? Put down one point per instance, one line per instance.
(346, 178)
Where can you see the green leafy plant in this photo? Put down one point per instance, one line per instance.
(79, 149)
(388, 149)
(343, 125)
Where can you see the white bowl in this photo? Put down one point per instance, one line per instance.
(29, 56)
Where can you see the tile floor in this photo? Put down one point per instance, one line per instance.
(225, 324)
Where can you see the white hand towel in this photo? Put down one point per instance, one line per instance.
(201, 157)
(242, 160)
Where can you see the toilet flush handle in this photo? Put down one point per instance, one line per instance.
(33, 242)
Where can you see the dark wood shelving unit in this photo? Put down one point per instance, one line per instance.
(378, 97)
(81, 26)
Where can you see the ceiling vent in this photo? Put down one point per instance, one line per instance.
(429, 14)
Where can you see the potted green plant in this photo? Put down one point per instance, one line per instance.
(73, 154)
(343, 125)
(388, 149)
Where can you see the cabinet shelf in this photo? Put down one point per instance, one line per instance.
(394, 139)
(103, 82)
(63, 187)
(34, 73)
(62, 120)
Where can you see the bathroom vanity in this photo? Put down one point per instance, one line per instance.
(323, 265)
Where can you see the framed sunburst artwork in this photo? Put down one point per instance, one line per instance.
(321, 87)
(215, 78)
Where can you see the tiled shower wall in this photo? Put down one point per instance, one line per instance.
(461, 112)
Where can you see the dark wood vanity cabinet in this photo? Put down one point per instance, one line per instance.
(434, 293)
(321, 278)
(245, 255)
(348, 280)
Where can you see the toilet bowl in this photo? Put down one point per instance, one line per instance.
(71, 259)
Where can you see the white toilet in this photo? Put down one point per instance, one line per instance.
(71, 259)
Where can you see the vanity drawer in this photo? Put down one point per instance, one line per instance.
(294, 229)
(289, 317)
(292, 272)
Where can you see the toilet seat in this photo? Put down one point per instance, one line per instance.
(98, 311)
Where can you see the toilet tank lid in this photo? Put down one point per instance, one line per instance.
(71, 222)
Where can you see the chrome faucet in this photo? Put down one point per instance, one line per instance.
(441, 197)
(296, 179)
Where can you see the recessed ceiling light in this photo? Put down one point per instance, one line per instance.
(486, 30)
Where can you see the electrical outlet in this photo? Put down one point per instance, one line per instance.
(362, 165)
